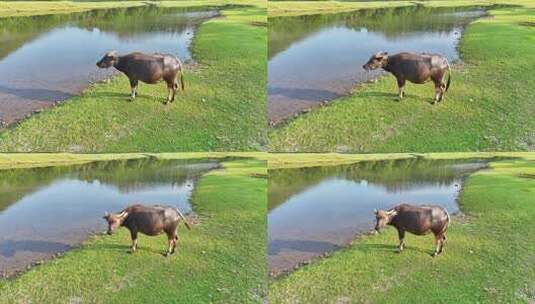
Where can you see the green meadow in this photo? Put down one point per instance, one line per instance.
(489, 256)
(221, 109)
(489, 106)
(221, 260)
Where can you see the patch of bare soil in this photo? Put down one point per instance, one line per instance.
(527, 23)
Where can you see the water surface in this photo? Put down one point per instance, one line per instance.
(44, 59)
(318, 58)
(44, 211)
(316, 210)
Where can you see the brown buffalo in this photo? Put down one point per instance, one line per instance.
(147, 68)
(149, 220)
(416, 68)
(419, 220)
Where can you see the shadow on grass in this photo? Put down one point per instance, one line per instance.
(124, 248)
(367, 248)
(386, 96)
(125, 97)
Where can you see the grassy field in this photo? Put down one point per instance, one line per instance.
(489, 106)
(15, 8)
(32, 160)
(489, 257)
(221, 260)
(222, 109)
(298, 8)
(302, 160)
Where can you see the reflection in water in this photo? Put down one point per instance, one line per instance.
(317, 58)
(49, 58)
(48, 210)
(314, 210)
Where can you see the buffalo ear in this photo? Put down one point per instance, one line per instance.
(106, 215)
(375, 211)
(381, 55)
(112, 54)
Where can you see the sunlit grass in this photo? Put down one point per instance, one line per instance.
(221, 260)
(222, 109)
(487, 259)
(489, 106)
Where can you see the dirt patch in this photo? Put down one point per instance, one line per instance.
(527, 23)
(259, 23)
(527, 175)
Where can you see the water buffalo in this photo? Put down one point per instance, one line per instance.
(419, 220)
(149, 68)
(149, 220)
(416, 68)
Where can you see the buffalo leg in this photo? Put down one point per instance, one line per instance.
(440, 87)
(170, 89)
(133, 87)
(401, 234)
(175, 240)
(438, 244)
(171, 242)
(442, 90)
(133, 234)
(442, 242)
(174, 91)
(401, 88)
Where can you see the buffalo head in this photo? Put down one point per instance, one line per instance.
(382, 218)
(376, 61)
(109, 60)
(114, 220)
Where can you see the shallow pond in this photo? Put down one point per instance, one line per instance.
(45, 211)
(317, 210)
(317, 58)
(44, 59)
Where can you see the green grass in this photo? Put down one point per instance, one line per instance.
(16, 8)
(489, 107)
(297, 8)
(301, 160)
(222, 109)
(489, 256)
(33, 160)
(221, 260)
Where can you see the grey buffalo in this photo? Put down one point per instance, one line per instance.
(148, 68)
(416, 68)
(418, 220)
(149, 220)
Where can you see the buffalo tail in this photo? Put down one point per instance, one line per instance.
(183, 219)
(449, 79)
(182, 81)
